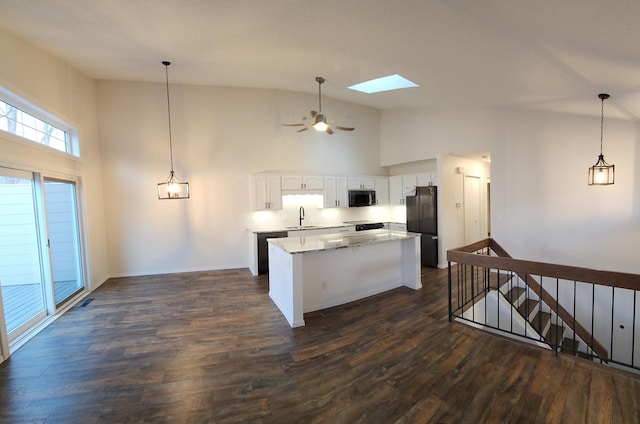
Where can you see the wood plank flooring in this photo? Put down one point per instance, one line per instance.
(211, 347)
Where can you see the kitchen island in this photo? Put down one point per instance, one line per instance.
(317, 272)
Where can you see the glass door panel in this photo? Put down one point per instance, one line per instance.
(21, 279)
(64, 239)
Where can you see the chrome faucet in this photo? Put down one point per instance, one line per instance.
(301, 215)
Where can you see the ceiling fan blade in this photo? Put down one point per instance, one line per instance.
(313, 113)
(329, 130)
(338, 127)
(303, 129)
(293, 125)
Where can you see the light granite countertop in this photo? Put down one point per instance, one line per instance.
(295, 245)
(273, 229)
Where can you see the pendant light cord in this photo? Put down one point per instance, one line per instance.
(601, 122)
(166, 71)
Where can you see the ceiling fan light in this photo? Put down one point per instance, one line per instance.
(320, 123)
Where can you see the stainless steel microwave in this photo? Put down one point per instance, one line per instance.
(359, 198)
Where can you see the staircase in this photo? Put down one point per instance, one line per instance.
(547, 324)
(537, 302)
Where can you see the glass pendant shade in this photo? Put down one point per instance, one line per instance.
(601, 173)
(173, 188)
(320, 123)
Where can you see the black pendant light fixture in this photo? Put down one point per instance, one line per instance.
(172, 187)
(601, 173)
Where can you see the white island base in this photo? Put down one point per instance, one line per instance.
(312, 273)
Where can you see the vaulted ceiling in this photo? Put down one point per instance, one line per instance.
(535, 55)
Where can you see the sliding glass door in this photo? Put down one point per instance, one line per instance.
(64, 239)
(21, 276)
(40, 250)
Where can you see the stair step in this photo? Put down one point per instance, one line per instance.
(514, 294)
(540, 321)
(554, 336)
(497, 279)
(527, 308)
(569, 345)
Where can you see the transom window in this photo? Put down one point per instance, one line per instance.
(16, 121)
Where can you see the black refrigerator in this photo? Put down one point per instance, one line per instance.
(422, 217)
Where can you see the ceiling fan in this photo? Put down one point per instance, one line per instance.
(319, 119)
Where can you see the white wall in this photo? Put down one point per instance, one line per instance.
(541, 206)
(220, 136)
(53, 86)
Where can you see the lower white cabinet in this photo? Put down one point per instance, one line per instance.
(320, 231)
(349, 229)
(396, 226)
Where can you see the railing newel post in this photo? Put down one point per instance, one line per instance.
(449, 284)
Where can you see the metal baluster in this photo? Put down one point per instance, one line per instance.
(633, 335)
(613, 301)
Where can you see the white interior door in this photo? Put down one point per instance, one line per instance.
(472, 231)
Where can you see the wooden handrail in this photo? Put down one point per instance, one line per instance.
(564, 272)
(525, 270)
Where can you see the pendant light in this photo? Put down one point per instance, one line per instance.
(601, 173)
(172, 187)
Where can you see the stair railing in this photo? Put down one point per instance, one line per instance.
(485, 269)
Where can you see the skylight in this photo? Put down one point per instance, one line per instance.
(391, 82)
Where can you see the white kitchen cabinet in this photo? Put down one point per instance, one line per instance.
(382, 190)
(396, 226)
(302, 182)
(362, 183)
(336, 194)
(426, 179)
(349, 229)
(396, 193)
(309, 232)
(401, 186)
(409, 183)
(266, 192)
(320, 231)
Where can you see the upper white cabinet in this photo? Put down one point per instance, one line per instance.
(336, 194)
(302, 182)
(362, 183)
(401, 186)
(266, 192)
(409, 183)
(427, 179)
(382, 190)
(396, 192)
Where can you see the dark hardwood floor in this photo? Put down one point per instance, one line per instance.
(211, 347)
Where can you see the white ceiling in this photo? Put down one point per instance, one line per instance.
(552, 55)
